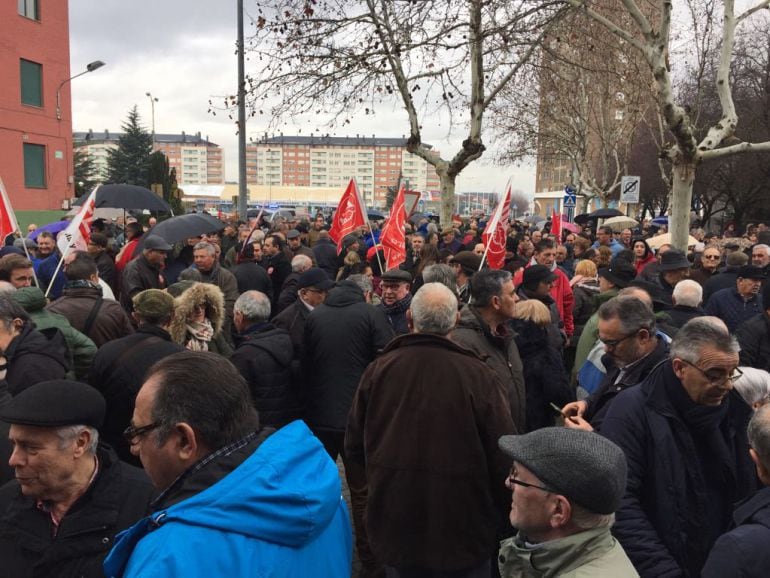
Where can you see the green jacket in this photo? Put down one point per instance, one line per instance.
(588, 554)
(81, 349)
(590, 332)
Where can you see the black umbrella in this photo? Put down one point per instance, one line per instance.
(127, 197)
(185, 226)
(373, 215)
(605, 213)
(582, 219)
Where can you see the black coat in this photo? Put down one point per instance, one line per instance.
(744, 551)
(545, 378)
(723, 280)
(292, 319)
(681, 314)
(263, 356)
(342, 336)
(754, 337)
(288, 293)
(119, 497)
(252, 277)
(35, 356)
(138, 276)
(118, 372)
(107, 272)
(6, 471)
(663, 515)
(396, 314)
(325, 252)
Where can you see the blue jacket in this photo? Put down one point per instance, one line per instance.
(744, 552)
(730, 307)
(280, 514)
(615, 246)
(665, 494)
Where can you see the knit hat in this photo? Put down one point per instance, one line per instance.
(153, 304)
(585, 467)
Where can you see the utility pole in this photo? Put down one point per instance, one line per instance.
(153, 100)
(241, 119)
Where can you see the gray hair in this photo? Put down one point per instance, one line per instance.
(7, 288)
(699, 333)
(205, 246)
(434, 309)
(759, 434)
(10, 310)
(765, 248)
(632, 313)
(688, 293)
(638, 292)
(68, 433)
(486, 284)
(587, 520)
(257, 236)
(253, 305)
(753, 385)
(301, 263)
(440, 273)
(364, 283)
(190, 274)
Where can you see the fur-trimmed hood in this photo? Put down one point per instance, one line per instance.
(199, 293)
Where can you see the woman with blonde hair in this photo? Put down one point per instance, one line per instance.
(545, 379)
(585, 285)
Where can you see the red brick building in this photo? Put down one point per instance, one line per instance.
(35, 146)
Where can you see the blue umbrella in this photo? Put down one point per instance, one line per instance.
(660, 221)
(52, 228)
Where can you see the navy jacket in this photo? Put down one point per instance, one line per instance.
(744, 551)
(730, 307)
(665, 492)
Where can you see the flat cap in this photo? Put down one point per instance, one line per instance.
(585, 467)
(536, 274)
(397, 276)
(751, 272)
(56, 403)
(153, 303)
(468, 260)
(292, 234)
(314, 277)
(21, 241)
(156, 243)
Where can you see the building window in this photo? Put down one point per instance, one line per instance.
(34, 166)
(29, 8)
(31, 83)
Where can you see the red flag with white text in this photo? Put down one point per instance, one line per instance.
(349, 215)
(8, 224)
(496, 232)
(393, 236)
(556, 226)
(75, 237)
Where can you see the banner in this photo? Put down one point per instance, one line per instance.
(8, 224)
(75, 237)
(393, 236)
(496, 232)
(556, 227)
(349, 216)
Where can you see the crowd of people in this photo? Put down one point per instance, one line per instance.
(596, 407)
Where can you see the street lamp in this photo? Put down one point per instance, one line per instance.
(90, 67)
(515, 208)
(153, 100)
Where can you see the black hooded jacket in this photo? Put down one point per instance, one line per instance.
(34, 356)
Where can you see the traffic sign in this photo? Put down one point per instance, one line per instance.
(569, 200)
(629, 189)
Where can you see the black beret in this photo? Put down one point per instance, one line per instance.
(56, 403)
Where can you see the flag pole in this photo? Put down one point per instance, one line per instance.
(56, 272)
(15, 223)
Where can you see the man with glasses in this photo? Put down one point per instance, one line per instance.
(71, 495)
(566, 487)
(683, 430)
(710, 260)
(632, 350)
(740, 303)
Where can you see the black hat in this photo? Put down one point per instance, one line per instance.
(732, 245)
(292, 234)
(536, 274)
(583, 466)
(468, 260)
(673, 259)
(55, 404)
(751, 272)
(397, 276)
(315, 277)
(99, 239)
(156, 243)
(619, 272)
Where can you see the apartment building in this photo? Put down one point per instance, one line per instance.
(197, 160)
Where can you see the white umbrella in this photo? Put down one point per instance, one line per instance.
(665, 239)
(620, 223)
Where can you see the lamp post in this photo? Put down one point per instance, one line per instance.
(153, 100)
(90, 67)
(515, 208)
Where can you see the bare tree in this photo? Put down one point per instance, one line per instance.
(652, 37)
(440, 59)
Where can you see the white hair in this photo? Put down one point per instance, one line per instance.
(688, 293)
(753, 385)
(68, 433)
(253, 305)
(300, 263)
(434, 309)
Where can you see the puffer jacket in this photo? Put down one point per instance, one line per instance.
(263, 356)
(212, 298)
(35, 356)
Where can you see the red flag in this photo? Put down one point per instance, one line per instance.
(78, 232)
(496, 231)
(8, 224)
(556, 227)
(349, 215)
(393, 236)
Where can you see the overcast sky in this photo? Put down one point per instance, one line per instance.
(183, 52)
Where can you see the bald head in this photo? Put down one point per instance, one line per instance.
(433, 309)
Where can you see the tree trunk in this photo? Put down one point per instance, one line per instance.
(683, 176)
(447, 197)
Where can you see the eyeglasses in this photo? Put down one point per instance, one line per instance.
(716, 377)
(711, 257)
(133, 432)
(511, 481)
(616, 342)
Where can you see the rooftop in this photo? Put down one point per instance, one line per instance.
(107, 136)
(327, 140)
